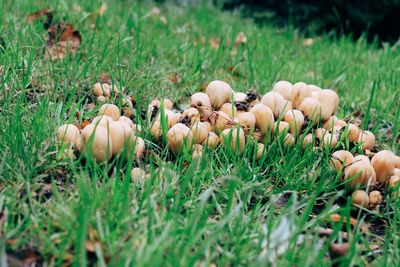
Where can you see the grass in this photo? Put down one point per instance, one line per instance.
(225, 209)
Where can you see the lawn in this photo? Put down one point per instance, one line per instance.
(225, 209)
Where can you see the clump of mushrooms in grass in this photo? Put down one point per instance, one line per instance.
(291, 113)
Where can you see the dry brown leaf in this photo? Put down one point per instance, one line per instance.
(353, 222)
(174, 78)
(214, 42)
(35, 15)
(63, 39)
(83, 124)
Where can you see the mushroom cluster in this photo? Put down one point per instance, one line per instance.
(108, 135)
(293, 113)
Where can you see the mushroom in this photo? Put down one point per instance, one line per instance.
(156, 129)
(221, 121)
(300, 92)
(102, 121)
(311, 108)
(285, 89)
(341, 159)
(202, 102)
(289, 140)
(229, 109)
(239, 96)
(179, 136)
(247, 120)
(308, 140)
(101, 99)
(168, 104)
(200, 132)
(384, 164)
(353, 132)
(219, 92)
(375, 198)
(121, 134)
(98, 90)
(360, 198)
(192, 114)
(332, 122)
(69, 135)
(138, 145)
(329, 101)
(260, 151)
(360, 174)
(281, 127)
(264, 117)
(126, 120)
(393, 181)
(138, 175)
(329, 141)
(277, 103)
(110, 110)
(296, 120)
(367, 140)
(362, 158)
(96, 143)
(197, 151)
(398, 162)
(233, 137)
(212, 140)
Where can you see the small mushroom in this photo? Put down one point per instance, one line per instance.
(197, 151)
(264, 117)
(360, 174)
(247, 120)
(300, 92)
(121, 134)
(340, 159)
(285, 89)
(277, 103)
(384, 164)
(220, 121)
(212, 140)
(202, 102)
(367, 140)
(296, 120)
(311, 108)
(191, 114)
(102, 121)
(281, 127)
(229, 109)
(239, 96)
(96, 143)
(393, 181)
(233, 137)
(178, 136)
(200, 132)
(219, 92)
(69, 134)
(97, 90)
(307, 140)
(110, 110)
(360, 198)
(138, 175)
(260, 151)
(375, 198)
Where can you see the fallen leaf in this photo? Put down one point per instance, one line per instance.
(83, 124)
(63, 39)
(353, 222)
(214, 42)
(35, 15)
(174, 78)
